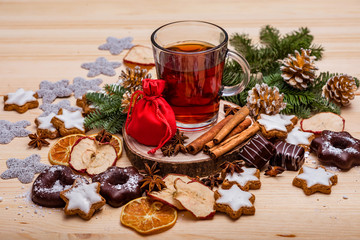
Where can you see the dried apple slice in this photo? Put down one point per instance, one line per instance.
(90, 156)
(195, 197)
(140, 56)
(166, 195)
(323, 121)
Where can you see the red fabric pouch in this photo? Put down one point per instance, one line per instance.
(150, 120)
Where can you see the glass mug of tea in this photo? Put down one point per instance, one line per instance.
(190, 56)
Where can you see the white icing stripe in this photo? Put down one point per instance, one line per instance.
(20, 97)
(234, 198)
(314, 176)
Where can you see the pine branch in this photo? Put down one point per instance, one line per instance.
(109, 114)
(274, 47)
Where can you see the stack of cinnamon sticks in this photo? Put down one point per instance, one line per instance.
(225, 135)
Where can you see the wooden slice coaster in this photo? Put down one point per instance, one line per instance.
(191, 165)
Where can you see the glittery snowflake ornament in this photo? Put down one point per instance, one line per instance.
(25, 169)
(81, 86)
(101, 66)
(9, 130)
(49, 91)
(55, 107)
(116, 45)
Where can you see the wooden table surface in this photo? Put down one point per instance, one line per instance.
(49, 40)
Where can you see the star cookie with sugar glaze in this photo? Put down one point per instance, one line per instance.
(234, 202)
(248, 179)
(45, 128)
(276, 126)
(82, 199)
(300, 138)
(313, 180)
(68, 122)
(20, 101)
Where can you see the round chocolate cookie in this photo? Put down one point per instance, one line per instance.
(119, 185)
(48, 185)
(337, 148)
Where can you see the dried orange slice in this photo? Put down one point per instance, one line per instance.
(147, 216)
(59, 153)
(116, 142)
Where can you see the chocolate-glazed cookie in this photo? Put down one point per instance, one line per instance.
(119, 185)
(289, 156)
(337, 148)
(48, 185)
(257, 152)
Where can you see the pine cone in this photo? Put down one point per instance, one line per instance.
(265, 99)
(299, 70)
(125, 102)
(131, 79)
(340, 89)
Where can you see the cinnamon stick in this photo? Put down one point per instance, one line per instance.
(238, 129)
(233, 141)
(238, 117)
(196, 146)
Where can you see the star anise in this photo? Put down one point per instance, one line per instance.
(37, 141)
(274, 171)
(152, 181)
(179, 148)
(179, 138)
(231, 167)
(212, 181)
(103, 136)
(229, 110)
(168, 149)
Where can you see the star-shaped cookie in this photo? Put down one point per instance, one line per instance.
(49, 91)
(9, 130)
(20, 101)
(313, 180)
(248, 179)
(83, 199)
(81, 86)
(55, 107)
(25, 169)
(101, 66)
(234, 202)
(116, 45)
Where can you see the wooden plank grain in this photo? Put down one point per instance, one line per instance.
(49, 40)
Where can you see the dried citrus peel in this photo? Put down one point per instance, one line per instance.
(147, 216)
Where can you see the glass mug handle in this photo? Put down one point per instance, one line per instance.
(233, 90)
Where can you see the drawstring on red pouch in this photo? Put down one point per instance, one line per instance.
(150, 120)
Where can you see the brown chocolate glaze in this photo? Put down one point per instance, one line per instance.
(337, 148)
(257, 152)
(289, 156)
(48, 185)
(119, 185)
